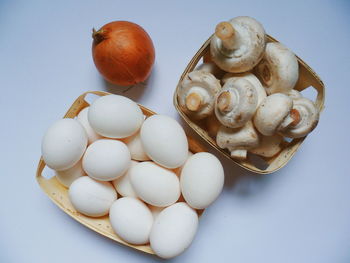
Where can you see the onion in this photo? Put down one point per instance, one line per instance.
(123, 53)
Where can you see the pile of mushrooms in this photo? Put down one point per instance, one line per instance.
(246, 95)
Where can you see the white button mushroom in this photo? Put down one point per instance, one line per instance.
(236, 103)
(294, 94)
(123, 185)
(278, 70)
(66, 177)
(173, 230)
(252, 79)
(273, 114)
(154, 184)
(106, 159)
(212, 68)
(83, 119)
(238, 45)
(90, 197)
(238, 140)
(269, 146)
(131, 220)
(115, 116)
(63, 144)
(305, 115)
(202, 180)
(196, 93)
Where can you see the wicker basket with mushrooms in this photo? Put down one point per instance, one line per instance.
(245, 97)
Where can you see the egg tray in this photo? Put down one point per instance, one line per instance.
(59, 194)
(307, 79)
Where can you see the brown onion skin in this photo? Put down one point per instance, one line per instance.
(123, 53)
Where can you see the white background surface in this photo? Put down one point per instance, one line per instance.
(299, 214)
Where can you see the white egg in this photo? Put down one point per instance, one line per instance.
(90, 197)
(164, 141)
(202, 180)
(123, 185)
(136, 148)
(63, 144)
(106, 159)
(173, 230)
(154, 184)
(66, 177)
(131, 220)
(155, 210)
(179, 170)
(83, 119)
(115, 116)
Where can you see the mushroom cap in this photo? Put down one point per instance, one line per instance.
(309, 116)
(236, 103)
(294, 94)
(238, 140)
(278, 70)
(272, 112)
(252, 78)
(212, 68)
(203, 87)
(251, 37)
(269, 146)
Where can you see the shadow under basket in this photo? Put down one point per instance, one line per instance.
(308, 80)
(59, 194)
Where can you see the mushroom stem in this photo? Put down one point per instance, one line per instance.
(224, 101)
(265, 72)
(227, 34)
(239, 154)
(295, 115)
(193, 101)
(286, 122)
(292, 119)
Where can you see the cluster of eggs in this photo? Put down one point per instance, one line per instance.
(146, 161)
(246, 93)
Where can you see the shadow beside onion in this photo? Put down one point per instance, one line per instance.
(134, 92)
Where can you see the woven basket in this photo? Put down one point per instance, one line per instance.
(59, 194)
(308, 79)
